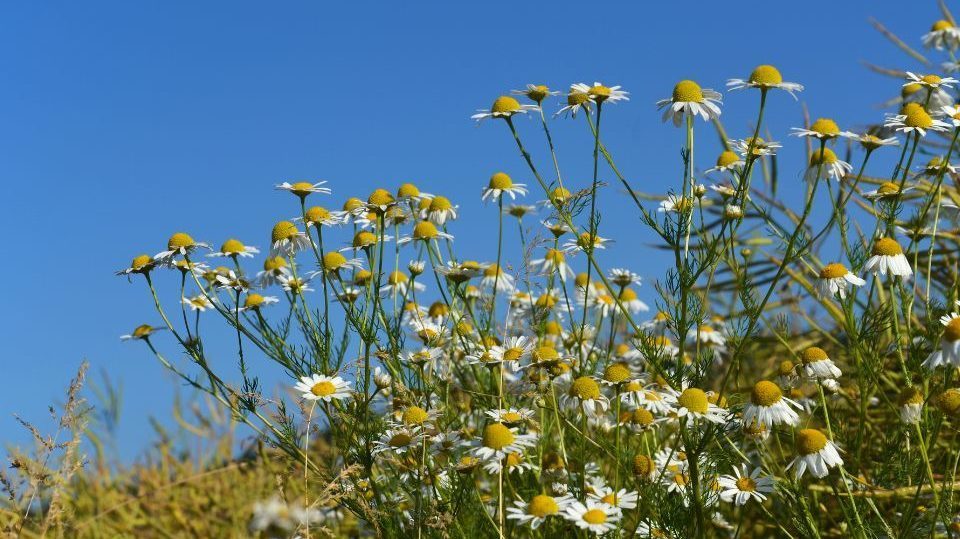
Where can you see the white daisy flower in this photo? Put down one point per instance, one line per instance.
(326, 388)
(741, 487)
(887, 256)
(439, 210)
(501, 183)
(398, 441)
(914, 118)
(595, 517)
(303, 189)
(197, 303)
(274, 267)
(817, 365)
(179, 244)
(825, 162)
(816, 453)
(498, 441)
(601, 94)
(623, 277)
(727, 161)
(693, 402)
(535, 512)
(621, 499)
(930, 81)
(535, 92)
(689, 98)
(583, 242)
(233, 248)
(319, 216)
(256, 301)
(584, 394)
(768, 406)
(294, 285)
(886, 190)
(676, 204)
(910, 401)
(943, 34)
(494, 276)
(871, 142)
(822, 129)
(949, 352)
(287, 239)
(554, 261)
(631, 302)
(754, 147)
(510, 416)
(142, 332)
(503, 107)
(425, 231)
(765, 77)
(835, 278)
(578, 97)
(398, 284)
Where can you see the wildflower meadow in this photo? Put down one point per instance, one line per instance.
(792, 372)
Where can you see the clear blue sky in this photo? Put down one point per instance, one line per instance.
(125, 121)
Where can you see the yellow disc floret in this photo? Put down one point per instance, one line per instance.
(765, 393)
(810, 441)
(585, 388)
(812, 355)
(542, 506)
(505, 105)
(886, 247)
(951, 333)
(695, 400)
(497, 436)
(284, 230)
(687, 91)
(323, 389)
(833, 271)
(616, 373)
(916, 116)
(180, 240)
(766, 76)
(500, 180)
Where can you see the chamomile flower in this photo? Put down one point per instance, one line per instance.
(554, 261)
(817, 365)
(914, 118)
(727, 161)
(398, 441)
(768, 406)
(824, 163)
(425, 231)
(937, 166)
(399, 284)
(143, 264)
(304, 189)
(943, 34)
(593, 516)
(535, 92)
(181, 244)
(294, 285)
(501, 183)
(325, 388)
(822, 128)
(620, 499)
(741, 487)
(520, 210)
(816, 453)
(233, 248)
(834, 279)
(870, 142)
(690, 99)
(255, 301)
(510, 416)
(440, 210)
(765, 77)
(949, 352)
(707, 335)
(274, 267)
(628, 298)
(887, 256)
(910, 402)
(886, 190)
(583, 242)
(142, 333)
(538, 509)
(287, 239)
(499, 440)
(503, 107)
(676, 204)
(494, 276)
(584, 394)
(623, 277)
(930, 81)
(754, 147)
(578, 98)
(600, 94)
(198, 303)
(694, 403)
(319, 216)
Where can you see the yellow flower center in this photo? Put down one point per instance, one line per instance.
(141, 262)
(180, 240)
(825, 126)
(415, 415)
(951, 333)
(687, 91)
(500, 180)
(232, 247)
(364, 239)
(542, 506)
(745, 484)
(362, 276)
(352, 204)
(823, 156)
(274, 263)
(910, 89)
(538, 93)
(812, 355)
(642, 417)
(810, 441)
(888, 188)
(497, 436)
(301, 188)
(284, 230)
(397, 277)
(616, 373)
(400, 439)
(600, 93)
(253, 301)
(380, 197)
(555, 255)
(941, 25)
(545, 353)
(408, 190)
(505, 105)
(932, 80)
(910, 395)
(833, 271)
(323, 389)
(511, 417)
(142, 331)
(424, 230)
(575, 98)
(766, 75)
(727, 158)
(642, 465)
(439, 203)
(949, 401)
(333, 261)
(595, 516)
(585, 388)
(886, 247)
(560, 195)
(765, 393)
(317, 214)
(786, 368)
(916, 116)
(695, 400)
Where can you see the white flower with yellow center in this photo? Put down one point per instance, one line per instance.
(871, 142)
(498, 440)
(694, 403)
(324, 388)
(510, 416)
(631, 302)
(430, 330)
(823, 129)
(255, 301)
(140, 264)
(425, 231)
(398, 441)
(834, 279)
(364, 240)
(910, 402)
(514, 463)
(273, 268)
(197, 303)
(425, 358)
(886, 190)
(503, 107)
(727, 161)
(914, 118)
(181, 244)
(707, 335)
(887, 256)
(741, 487)
(624, 277)
(487, 357)
(141, 333)
(520, 210)
(538, 509)
(942, 34)
(754, 147)
(584, 394)
(319, 216)
(677, 204)
(494, 276)
(399, 284)
(949, 352)
(439, 210)
(294, 285)
(230, 279)
(304, 189)
(233, 248)
(501, 183)
(583, 242)
(768, 406)
(554, 261)
(824, 163)
(333, 263)
(535, 92)
(287, 239)
(620, 499)
(814, 452)
(764, 78)
(593, 516)
(817, 365)
(930, 81)
(578, 99)
(937, 166)
(689, 98)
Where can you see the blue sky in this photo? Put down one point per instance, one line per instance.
(126, 121)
